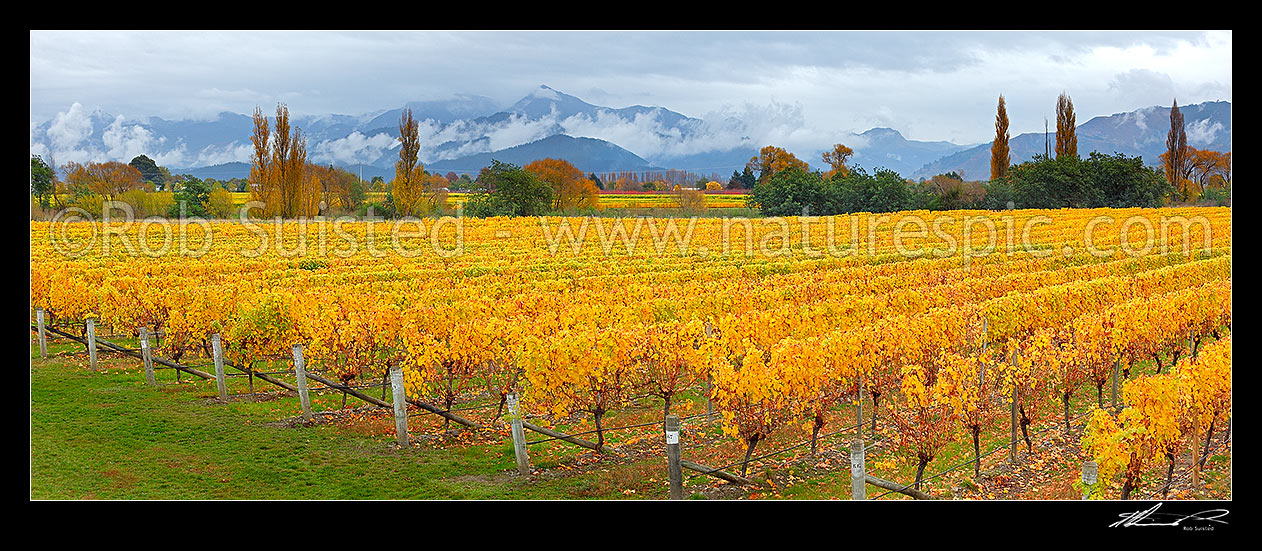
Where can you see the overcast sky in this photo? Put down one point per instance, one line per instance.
(817, 85)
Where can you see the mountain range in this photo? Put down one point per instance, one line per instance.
(1140, 133)
(464, 133)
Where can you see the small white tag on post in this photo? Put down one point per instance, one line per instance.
(672, 437)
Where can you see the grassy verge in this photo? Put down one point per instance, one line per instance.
(108, 435)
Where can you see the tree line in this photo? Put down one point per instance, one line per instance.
(652, 180)
(1058, 178)
(146, 188)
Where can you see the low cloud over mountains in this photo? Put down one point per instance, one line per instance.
(464, 132)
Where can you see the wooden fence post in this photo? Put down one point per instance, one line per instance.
(1090, 473)
(92, 343)
(1196, 459)
(519, 435)
(146, 357)
(709, 404)
(400, 406)
(1012, 444)
(858, 471)
(674, 469)
(303, 395)
(858, 411)
(985, 325)
(43, 341)
(1117, 366)
(1016, 395)
(981, 374)
(216, 348)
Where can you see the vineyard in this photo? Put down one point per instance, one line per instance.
(955, 347)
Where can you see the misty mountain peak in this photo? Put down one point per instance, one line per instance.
(545, 92)
(545, 101)
(882, 132)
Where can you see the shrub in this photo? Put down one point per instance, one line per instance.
(690, 201)
(219, 204)
(486, 205)
(1217, 197)
(378, 209)
(191, 199)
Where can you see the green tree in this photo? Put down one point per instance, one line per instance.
(1050, 183)
(463, 183)
(509, 190)
(149, 171)
(883, 191)
(742, 180)
(1100, 180)
(748, 180)
(790, 191)
(43, 180)
(166, 179)
(795, 192)
(192, 199)
(996, 194)
(356, 193)
(1120, 181)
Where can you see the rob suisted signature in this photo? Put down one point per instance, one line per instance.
(1150, 517)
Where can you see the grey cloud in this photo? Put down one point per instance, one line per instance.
(1143, 87)
(698, 73)
(1202, 132)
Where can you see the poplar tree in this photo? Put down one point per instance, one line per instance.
(407, 188)
(1176, 151)
(289, 163)
(999, 154)
(1066, 140)
(278, 168)
(261, 159)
